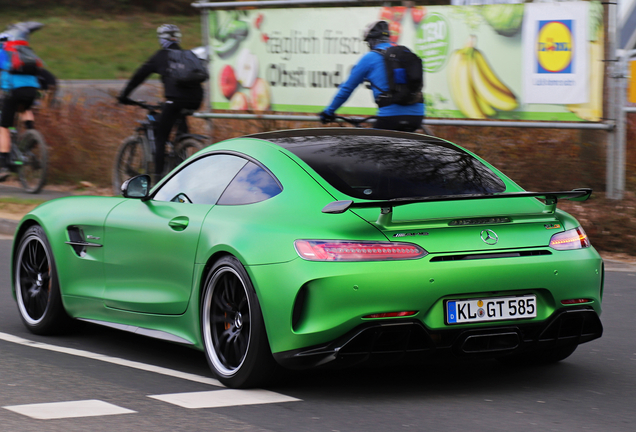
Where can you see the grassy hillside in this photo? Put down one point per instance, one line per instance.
(81, 45)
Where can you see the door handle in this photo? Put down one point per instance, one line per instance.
(179, 223)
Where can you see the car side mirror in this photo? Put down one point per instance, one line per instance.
(136, 187)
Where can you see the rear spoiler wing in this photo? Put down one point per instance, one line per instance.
(551, 198)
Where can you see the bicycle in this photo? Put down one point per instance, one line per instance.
(28, 158)
(358, 121)
(136, 153)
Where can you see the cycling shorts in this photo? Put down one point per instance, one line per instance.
(15, 101)
(404, 123)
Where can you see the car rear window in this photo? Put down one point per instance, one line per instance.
(388, 166)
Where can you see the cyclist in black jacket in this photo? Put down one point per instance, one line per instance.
(177, 97)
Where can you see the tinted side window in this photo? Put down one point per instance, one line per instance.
(253, 184)
(203, 181)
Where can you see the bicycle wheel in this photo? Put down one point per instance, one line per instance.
(131, 160)
(184, 149)
(35, 156)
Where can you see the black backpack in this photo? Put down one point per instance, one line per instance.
(405, 74)
(186, 68)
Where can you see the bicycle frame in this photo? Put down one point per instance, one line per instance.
(181, 146)
(146, 131)
(16, 159)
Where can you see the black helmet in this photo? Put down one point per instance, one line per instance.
(169, 32)
(376, 30)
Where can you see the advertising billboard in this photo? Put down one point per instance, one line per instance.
(500, 61)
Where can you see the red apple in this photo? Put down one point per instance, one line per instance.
(239, 102)
(386, 14)
(261, 96)
(394, 29)
(418, 13)
(227, 81)
(398, 13)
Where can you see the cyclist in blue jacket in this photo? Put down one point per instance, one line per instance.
(20, 91)
(371, 68)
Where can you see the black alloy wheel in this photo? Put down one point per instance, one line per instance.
(36, 284)
(234, 334)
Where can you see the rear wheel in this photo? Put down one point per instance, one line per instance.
(32, 173)
(36, 285)
(184, 149)
(131, 160)
(234, 334)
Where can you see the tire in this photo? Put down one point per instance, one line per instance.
(36, 285)
(233, 330)
(183, 150)
(131, 160)
(35, 156)
(544, 357)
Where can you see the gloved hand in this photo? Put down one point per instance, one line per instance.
(124, 100)
(326, 118)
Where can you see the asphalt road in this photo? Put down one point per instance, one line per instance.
(129, 383)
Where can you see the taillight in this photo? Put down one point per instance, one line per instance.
(333, 250)
(570, 239)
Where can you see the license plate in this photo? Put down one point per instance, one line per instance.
(490, 309)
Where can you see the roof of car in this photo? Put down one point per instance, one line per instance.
(282, 137)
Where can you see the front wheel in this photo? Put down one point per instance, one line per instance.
(234, 335)
(32, 173)
(36, 284)
(131, 160)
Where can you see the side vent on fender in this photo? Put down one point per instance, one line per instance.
(77, 241)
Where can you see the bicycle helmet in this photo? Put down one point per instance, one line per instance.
(376, 30)
(169, 32)
(21, 30)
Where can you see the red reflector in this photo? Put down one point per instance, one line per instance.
(333, 250)
(391, 314)
(576, 301)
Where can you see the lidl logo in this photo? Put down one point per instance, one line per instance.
(555, 47)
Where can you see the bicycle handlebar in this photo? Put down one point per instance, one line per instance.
(144, 105)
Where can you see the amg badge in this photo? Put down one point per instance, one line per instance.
(410, 234)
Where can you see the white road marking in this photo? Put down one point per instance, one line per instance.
(114, 360)
(60, 410)
(223, 398)
(210, 399)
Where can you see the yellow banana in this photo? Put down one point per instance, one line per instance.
(488, 85)
(461, 87)
(484, 106)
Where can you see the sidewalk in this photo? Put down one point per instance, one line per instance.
(9, 223)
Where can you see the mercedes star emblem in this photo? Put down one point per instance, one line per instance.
(489, 237)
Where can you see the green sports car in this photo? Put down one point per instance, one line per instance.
(318, 247)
